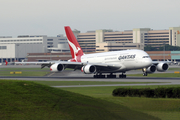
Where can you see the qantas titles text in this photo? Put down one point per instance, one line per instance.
(122, 57)
(127, 57)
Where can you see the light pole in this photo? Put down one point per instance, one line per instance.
(164, 50)
(123, 45)
(86, 47)
(17, 51)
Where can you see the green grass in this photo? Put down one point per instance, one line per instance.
(165, 109)
(24, 73)
(177, 69)
(19, 69)
(165, 75)
(29, 100)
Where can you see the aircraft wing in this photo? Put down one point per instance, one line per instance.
(73, 65)
(79, 65)
(43, 64)
(157, 62)
(49, 63)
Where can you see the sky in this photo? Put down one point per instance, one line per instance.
(48, 17)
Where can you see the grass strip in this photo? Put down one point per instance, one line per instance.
(29, 100)
(24, 73)
(174, 69)
(14, 69)
(163, 108)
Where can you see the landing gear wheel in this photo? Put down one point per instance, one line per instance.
(111, 76)
(95, 76)
(99, 76)
(144, 74)
(122, 76)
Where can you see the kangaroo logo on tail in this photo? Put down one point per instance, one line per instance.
(74, 46)
(75, 49)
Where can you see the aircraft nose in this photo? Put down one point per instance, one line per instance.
(148, 62)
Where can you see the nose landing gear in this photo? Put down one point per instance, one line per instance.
(144, 72)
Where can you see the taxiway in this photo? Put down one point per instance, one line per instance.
(69, 75)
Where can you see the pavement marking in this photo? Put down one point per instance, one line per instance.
(50, 74)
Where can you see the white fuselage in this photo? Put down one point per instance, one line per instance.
(125, 60)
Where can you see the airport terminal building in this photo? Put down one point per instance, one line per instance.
(108, 40)
(43, 47)
(17, 49)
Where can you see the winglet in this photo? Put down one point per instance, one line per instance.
(6, 62)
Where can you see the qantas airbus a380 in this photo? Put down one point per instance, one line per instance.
(107, 62)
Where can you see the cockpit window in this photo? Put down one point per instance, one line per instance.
(145, 56)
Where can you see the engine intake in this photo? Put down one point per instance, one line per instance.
(89, 69)
(161, 67)
(151, 69)
(57, 67)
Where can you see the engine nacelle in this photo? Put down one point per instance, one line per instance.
(88, 69)
(57, 67)
(151, 69)
(161, 67)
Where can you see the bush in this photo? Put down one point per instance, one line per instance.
(161, 92)
(176, 92)
(115, 92)
(169, 92)
(120, 92)
(136, 92)
(147, 92)
(130, 92)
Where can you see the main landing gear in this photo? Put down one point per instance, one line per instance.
(99, 75)
(111, 76)
(122, 76)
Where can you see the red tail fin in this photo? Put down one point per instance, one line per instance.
(74, 46)
(6, 62)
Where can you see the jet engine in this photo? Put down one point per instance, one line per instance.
(151, 69)
(88, 69)
(161, 67)
(57, 67)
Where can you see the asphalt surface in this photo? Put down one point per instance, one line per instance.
(69, 75)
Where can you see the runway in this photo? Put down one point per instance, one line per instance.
(159, 81)
(69, 75)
